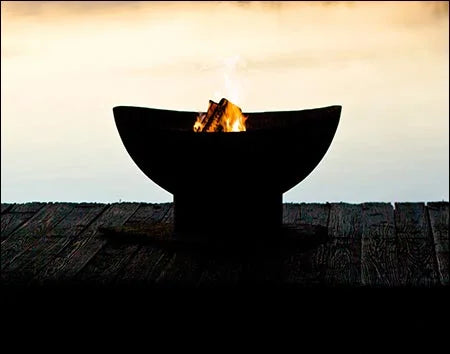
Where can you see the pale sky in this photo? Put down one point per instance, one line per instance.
(65, 65)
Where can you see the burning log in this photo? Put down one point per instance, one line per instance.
(203, 119)
(213, 124)
(222, 116)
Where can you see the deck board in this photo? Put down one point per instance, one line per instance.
(177, 267)
(15, 216)
(344, 249)
(291, 213)
(307, 267)
(379, 246)
(105, 266)
(35, 228)
(141, 267)
(144, 267)
(39, 253)
(438, 214)
(416, 253)
(82, 249)
(182, 268)
(6, 206)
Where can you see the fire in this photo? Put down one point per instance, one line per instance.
(221, 117)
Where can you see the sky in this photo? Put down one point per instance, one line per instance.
(65, 65)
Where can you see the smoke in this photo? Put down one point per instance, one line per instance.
(232, 86)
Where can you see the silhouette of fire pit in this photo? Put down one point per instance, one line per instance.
(227, 182)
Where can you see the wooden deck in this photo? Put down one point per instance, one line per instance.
(369, 245)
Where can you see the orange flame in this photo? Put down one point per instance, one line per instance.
(225, 117)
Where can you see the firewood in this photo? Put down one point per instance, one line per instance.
(214, 120)
(213, 124)
(203, 119)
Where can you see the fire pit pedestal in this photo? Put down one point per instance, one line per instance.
(228, 213)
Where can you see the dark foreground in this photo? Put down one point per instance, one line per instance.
(373, 258)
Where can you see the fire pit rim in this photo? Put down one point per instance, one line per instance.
(339, 107)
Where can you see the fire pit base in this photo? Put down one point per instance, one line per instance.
(228, 214)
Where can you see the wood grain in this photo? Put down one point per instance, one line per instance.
(182, 269)
(168, 216)
(144, 267)
(5, 207)
(177, 268)
(83, 248)
(144, 214)
(291, 213)
(33, 207)
(306, 267)
(369, 244)
(107, 264)
(379, 246)
(416, 254)
(343, 266)
(314, 214)
(438, 213)
(15, 216)
(39, 253)
(145, 258)
(33, 229)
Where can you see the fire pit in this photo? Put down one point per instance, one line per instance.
(227, 182)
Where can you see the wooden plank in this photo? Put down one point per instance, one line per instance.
(411, 222)
(306, 267)
(314, 214)
(297, 265)
(33, 229)
(5, 207)
(148, 213)
(169, 214)
(175, 268)
(83, 248)
(16, 216)
(416, 254)
(260, 264)
(144, 267)
(379, 262)
(33, 207)
(291, 213)
(105, 267)
(183, 269)
(438, 213)
(344, 249)
(31, 260)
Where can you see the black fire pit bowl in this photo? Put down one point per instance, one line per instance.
(227, 182)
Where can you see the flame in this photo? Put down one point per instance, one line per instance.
(231, 120)
(198, 126)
